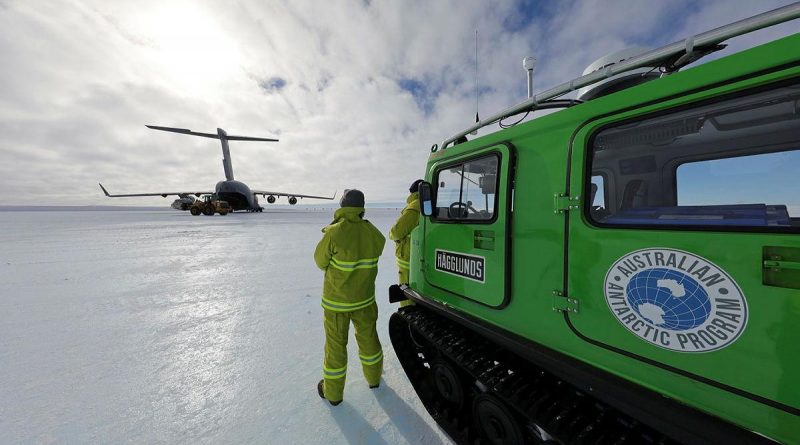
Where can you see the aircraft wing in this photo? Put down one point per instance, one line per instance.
(265, 193)
(162, 194)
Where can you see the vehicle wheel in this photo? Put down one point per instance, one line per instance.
(194, 211)
(496, 424)
(208, 211)
(223, 213)
(448, 383)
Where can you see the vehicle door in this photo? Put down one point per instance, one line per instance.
(686, 253)
(466, 242)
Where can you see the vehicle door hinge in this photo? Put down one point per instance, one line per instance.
(562, 303)
(563, 203)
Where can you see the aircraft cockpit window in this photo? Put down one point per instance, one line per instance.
(731, 163)
(467, 191)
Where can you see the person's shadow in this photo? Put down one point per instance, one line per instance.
(408, 423)
(355, 429)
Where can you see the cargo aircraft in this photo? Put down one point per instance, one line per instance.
(236, 193)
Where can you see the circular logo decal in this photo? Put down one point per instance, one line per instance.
(676, 300)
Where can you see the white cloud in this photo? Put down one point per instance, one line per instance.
(81, 78)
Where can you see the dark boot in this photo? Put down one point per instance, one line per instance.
(321, 392)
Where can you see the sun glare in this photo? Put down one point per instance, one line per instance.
(191, 46)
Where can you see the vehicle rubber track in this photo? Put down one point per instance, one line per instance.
(459, 375)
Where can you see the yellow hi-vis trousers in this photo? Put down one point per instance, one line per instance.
(334, 367)
(402, 271)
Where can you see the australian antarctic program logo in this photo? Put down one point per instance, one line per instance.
(676, 300)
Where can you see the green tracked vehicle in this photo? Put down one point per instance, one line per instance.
(624, 269)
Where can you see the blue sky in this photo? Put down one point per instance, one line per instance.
(356, 91)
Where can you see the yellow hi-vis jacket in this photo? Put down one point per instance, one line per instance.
(401, 231)
(348, 253)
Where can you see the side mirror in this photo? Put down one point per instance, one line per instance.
(488, 184)
(425, 199)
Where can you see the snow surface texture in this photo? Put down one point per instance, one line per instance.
(161, 327)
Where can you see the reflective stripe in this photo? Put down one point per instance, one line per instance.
(337, 373)
(338, 306)
(402, 263)
(349, 266)
(372, 359)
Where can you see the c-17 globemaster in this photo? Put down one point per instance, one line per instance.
(236, 193)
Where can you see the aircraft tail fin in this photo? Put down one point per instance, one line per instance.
(223, 138)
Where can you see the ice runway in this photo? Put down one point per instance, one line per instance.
(160, 327)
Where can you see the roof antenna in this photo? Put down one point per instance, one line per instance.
(529, 63)
(477, 92)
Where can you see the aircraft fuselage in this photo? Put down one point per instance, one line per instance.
(238, 195)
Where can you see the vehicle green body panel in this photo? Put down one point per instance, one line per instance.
(763, 361)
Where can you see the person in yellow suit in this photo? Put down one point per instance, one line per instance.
(401, 233)
(348, 253)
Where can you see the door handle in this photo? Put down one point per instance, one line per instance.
(781, 266)
(483, 239)
(778, 264)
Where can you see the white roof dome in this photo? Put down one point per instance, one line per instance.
(620, 81)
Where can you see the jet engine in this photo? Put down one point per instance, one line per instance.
(292, 200)
(271, 199)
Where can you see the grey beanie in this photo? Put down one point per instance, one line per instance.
(352, 198)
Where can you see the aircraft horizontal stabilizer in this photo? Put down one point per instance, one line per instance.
(248, 138)
(184, 131)
(209, 135)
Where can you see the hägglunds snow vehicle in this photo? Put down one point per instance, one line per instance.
(625, 269)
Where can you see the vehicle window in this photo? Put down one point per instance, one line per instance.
(466, 192)
(448, 190)
(765, 178)
(732, 163)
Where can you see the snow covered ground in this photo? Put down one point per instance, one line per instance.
(160, 327)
